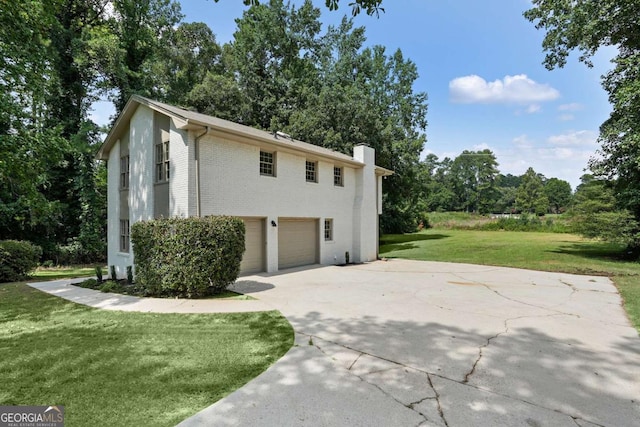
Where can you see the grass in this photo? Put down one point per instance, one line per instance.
(121, 368)
(68, 272)
(555, 252)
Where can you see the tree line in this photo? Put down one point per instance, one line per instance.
(472, 182)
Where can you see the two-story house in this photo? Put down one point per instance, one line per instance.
(302, 204)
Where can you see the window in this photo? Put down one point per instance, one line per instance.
(310, 171)
(124, 172)
(162, 162)
(267, 164)
(328, 230)
(337, 176)
(124, 235)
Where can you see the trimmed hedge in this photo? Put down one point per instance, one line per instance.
(17, 259)
(187, 257)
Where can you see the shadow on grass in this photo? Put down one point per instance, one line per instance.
(400, 242)
(596, 250)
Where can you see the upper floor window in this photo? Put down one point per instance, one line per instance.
(124, 172)
(267, 163)
(311, 171)
(338, 176)
(162, 162)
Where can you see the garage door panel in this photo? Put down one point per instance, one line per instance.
(253, 257)
(297, 242)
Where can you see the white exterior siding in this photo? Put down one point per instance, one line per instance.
(113, 212)
(224, 159)
(231, 184)
(142, 163)
(182, 176)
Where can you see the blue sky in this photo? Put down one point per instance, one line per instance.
(480, 63)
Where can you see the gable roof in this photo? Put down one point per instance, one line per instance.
(191, 120)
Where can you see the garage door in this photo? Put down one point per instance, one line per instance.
(253, 258)
(297, 242)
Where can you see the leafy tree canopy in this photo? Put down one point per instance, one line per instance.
(586, 26)
(371, 7)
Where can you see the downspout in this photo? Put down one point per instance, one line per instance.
(197, 164)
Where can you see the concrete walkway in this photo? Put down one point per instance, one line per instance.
(407, 343)
(107, 301)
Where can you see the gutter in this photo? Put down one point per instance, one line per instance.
(197, 165)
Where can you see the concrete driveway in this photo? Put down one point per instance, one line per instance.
(413, 343)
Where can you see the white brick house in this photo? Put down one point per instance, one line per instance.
(302, 204)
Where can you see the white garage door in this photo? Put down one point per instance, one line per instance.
(297, 242)
(253, 258)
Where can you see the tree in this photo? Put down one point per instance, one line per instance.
(267, 57)
(530, 196)
(137, 31)
(370, 6)
(188, 55)
(586, 26)
(28, 146)
(475, 174)
(559, 194)
(595, 215)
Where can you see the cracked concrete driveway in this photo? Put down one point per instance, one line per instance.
(412, 343)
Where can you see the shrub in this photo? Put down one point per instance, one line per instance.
(17, 259)
(99, 274)
(75, 253)
(188, 257)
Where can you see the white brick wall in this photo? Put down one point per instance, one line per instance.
(113, 213)
(231, 184)
(141, 166)
(182, 172)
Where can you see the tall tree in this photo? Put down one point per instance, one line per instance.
(188, 54)
(137, 32)
(270, 55)
(475, 174)
(530, 196)
(586, 26)
(371, 7)
(559, 194)
(28, 147)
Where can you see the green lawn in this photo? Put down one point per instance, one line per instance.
(121, 368)
(52, 273)
(537, 251)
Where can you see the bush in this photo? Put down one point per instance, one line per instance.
(75, 253)
(17, 259)
(187, 257)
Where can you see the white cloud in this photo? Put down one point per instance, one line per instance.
(518, 89)
(574, 106)
(584, 138)
(566, 117)
(534, 108)
(522, 141)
